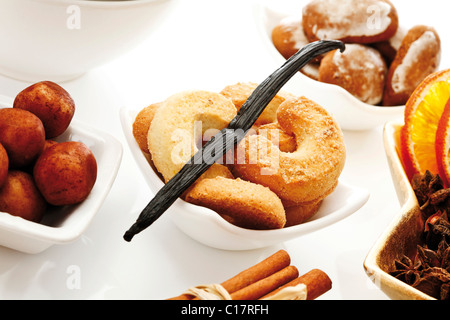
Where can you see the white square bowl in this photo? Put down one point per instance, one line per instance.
(207, 227)
(67, 223)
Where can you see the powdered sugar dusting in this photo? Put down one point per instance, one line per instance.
(366, 63)
(399, 78)
(396, 40)
(351, 18)
(294, 25)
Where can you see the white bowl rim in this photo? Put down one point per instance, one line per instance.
(287, 232)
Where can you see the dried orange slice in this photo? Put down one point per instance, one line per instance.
(442, 145)
(422, 114)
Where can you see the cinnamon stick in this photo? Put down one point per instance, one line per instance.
(261, 270)
(258, 289)
(317, 283)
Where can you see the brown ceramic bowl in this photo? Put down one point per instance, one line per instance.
(402, 235)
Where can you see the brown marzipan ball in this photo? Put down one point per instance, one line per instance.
(65, 173)
(22, 135)
(51, 103)
(20, 197)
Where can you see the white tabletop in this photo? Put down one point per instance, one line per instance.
(201, 45)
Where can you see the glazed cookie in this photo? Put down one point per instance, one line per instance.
(360, 70)
(352, 21)
(288, 37)
(418, 56)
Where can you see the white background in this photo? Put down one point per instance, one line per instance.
(201, 45)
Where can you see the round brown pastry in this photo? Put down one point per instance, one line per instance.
(418, 56)
(308, 174)
(51, 103)
(352, 21)
(22, 134)
(360, 70)
(20, 197)
(239, 93)
(65, 173)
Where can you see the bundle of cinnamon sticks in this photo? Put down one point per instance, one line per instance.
(268, 278)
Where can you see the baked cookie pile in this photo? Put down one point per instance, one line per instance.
(382, 63)
(276, 177)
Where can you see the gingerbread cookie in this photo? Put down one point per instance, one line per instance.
(352, 21)
(360, 69)
(418, 56)
(288, 37)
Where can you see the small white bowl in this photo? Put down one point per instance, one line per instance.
(403, 234)
(66, 224)
(207, 227)
(350, 112)
(62, 39)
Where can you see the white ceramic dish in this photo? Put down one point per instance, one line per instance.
(351, 113)
(67, 224)
(59, 40)
(207, 227)
(403, 234)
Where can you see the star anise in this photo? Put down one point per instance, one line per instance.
(427, 258)
(445, 291)
(443, 254)
(429, 270)
(425, 185)
(406, 270)
(432, 280)
(430, 193)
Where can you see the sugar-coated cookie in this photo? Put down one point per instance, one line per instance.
(352, 21)
(288, 36)
(360, 69)
(309, 173)
(418, 56)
